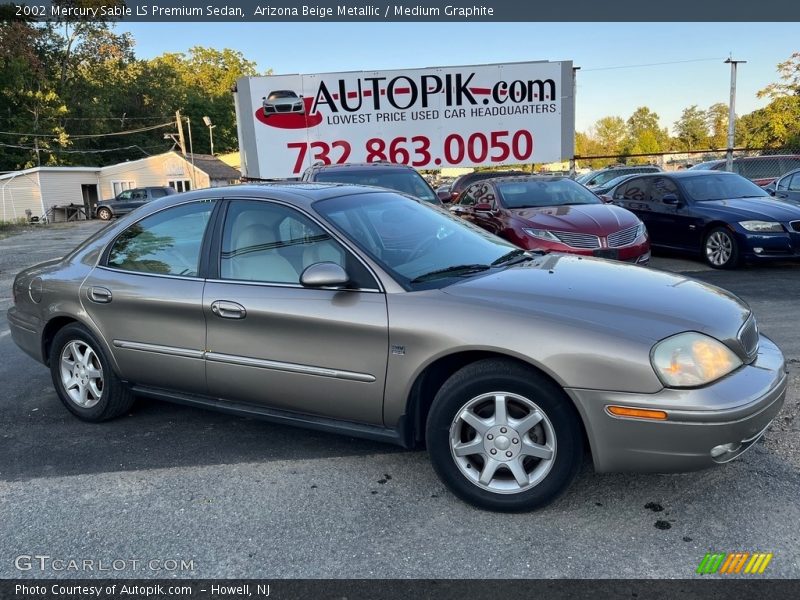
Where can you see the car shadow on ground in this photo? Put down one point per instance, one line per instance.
(47, 441)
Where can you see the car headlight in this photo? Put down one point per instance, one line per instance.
(762, 226)
(542, 234)
(691, 359)
(641, 230)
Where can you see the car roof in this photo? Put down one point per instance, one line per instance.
(362, 166)
(530, 178)
(688, 173)
(299, 193)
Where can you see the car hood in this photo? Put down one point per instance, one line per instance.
(620, 299)
(755, 209)
(598, 219)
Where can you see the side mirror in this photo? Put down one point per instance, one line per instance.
(605, 198)
(444, 196)
(671, 199)
(483, 207)
(324, 274)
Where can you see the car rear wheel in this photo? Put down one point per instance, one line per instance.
(720, 249)
(83, 377)
(504, 437)
(104, 214)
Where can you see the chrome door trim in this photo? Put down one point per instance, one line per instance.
(274, 365)
(170, 350)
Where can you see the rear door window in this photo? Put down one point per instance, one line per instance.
(165, 243)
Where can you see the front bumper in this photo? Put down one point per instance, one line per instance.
(767, 246)
(735, 410)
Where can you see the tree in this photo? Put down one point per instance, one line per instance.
(691, 128)
(645, 135)
(789, 72)
(717, 122)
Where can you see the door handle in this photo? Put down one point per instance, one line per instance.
(228, 310)
(100, 295)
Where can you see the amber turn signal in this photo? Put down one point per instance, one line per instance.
(637, 413)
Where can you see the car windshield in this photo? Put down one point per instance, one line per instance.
(407, 182)
(413, 241)
(585, 177)
(721, 187)
(554, 192)
(282, 94)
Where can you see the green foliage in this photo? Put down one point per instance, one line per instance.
(692, 129)
(66, 86)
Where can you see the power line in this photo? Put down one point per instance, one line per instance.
(91, 135)
(658, 64)
(123, 118)
(50, 151)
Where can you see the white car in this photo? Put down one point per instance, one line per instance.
(283, 101)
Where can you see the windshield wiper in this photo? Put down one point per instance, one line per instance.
(515, 256)
(455, 270)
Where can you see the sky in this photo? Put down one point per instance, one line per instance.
(612, 80)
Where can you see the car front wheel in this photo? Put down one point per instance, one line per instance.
(104, 214)
(720, 249)
(504, 437)
(83, 377)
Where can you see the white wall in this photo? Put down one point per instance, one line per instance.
(19, 193)
(152, 171)
(60, 188)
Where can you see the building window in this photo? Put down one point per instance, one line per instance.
(180, 185)
(117, 187)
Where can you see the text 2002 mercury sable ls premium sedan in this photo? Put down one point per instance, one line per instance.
(363, 311)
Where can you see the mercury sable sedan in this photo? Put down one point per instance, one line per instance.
(366, 312)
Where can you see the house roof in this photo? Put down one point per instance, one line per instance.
(211, 165)
(214, 167)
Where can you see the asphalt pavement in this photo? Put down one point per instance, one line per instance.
(209, 495)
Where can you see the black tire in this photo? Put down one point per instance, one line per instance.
(720, 249)
(104, 214)
(115, 398)
(497, 375)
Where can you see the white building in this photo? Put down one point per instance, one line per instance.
(41, 188)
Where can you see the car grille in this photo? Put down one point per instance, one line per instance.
(283, 108)
(748, 337)
(795, 225)
(578, 240)
(623, 237)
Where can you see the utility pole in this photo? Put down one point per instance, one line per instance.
(573, 164)
(181, 141)
(732, 114)
(191, 151)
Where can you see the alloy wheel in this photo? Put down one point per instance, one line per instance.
(503, 442)
(81, 374)
(719, 248)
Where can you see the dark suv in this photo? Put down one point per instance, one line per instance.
(393, 176)
(129, 200)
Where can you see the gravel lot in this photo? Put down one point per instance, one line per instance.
(243, 498)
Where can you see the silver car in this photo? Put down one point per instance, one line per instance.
(282, 101)
(365, 312)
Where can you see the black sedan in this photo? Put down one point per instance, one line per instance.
(723, 216)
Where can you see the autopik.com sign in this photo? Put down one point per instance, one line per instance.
(485, 115)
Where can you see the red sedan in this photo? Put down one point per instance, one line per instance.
(554, 214)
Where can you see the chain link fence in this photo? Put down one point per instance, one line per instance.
(757, 164)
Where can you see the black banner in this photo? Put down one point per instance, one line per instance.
(421, 10)
(737, 587)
